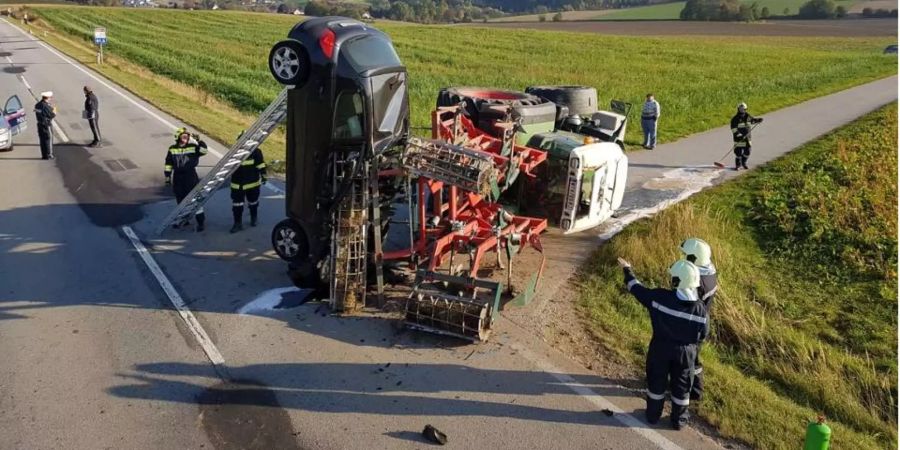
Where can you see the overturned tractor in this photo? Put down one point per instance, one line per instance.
(363, 193)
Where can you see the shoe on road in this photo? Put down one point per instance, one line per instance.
(236, 227)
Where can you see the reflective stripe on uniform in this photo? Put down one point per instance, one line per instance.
(237, 204)
(632, 283)
(710, 293)
(246, 186)
(740, 144)
(681, 402)
(261, 165)
(168, 167)
(253, 203)
(247, 162)
(734, 130)
(698, 371)
(679, 314)
(656, 396)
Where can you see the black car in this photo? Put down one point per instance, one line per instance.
(347, 103)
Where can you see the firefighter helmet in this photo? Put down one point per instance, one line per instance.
(699, 249)
(685, 274)
(742, 107)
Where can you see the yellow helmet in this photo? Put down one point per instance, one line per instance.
(699, 249)
(179, 132)
(687, 274)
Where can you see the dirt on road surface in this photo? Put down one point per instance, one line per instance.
(836, 28)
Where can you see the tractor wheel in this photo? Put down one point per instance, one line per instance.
(481, 105)
(581, 100)
(290, 241)
(289, 63)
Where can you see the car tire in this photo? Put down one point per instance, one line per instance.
(290, 241)
(480, 105)
(289, 63)
(581, 100)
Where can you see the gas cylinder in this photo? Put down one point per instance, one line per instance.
(818, 435)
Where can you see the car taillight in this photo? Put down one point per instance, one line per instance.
(326, 43)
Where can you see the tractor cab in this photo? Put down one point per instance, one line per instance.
(583, 183)
(347, 103)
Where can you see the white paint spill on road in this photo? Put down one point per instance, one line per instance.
(598, 400)
(215, 357)
(690, 179)
(268, 300)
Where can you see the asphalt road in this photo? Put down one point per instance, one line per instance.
(96, 356)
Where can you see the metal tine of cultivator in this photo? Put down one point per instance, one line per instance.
(468, 169)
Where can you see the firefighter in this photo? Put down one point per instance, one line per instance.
(45, 113)
(245, 185)
(740, 131)
(181, 163)
(698, 252)
(679, 323)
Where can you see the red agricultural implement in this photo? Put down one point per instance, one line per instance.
(459, 178)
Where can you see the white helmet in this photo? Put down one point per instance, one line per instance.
(699, 249)
(687, 274)
(742, 107)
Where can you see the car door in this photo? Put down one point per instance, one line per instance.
(14, 113)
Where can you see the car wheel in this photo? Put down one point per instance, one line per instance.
(290, 241)
(289, 63)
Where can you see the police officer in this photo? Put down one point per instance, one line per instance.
(740, 132)
(45, 113)
(245, 185)
(698, 252)
(679, 323)
(181, 163)
(92, 114)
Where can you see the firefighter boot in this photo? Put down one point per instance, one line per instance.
(237, 212)
(254, 214)
(201, 220)
(737, 163)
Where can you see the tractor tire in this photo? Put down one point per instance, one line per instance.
(481, 105)
(580, 100)
(289, 63)
(290, 241)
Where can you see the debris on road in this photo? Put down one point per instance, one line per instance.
(434, 435)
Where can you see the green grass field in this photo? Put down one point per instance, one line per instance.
(698, 82)
(671, 11)
(805, 319)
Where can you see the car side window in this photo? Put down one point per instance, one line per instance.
(348, 116)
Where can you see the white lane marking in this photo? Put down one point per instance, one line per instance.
(189, 319)
(25, 82)
(162, 120)
(598, 400)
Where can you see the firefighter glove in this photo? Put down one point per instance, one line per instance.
(264, 180)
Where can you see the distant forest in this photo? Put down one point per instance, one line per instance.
(434, 11)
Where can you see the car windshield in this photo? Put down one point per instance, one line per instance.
(369, 52)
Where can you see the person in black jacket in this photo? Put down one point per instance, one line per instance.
(245, 184)
(45, 112)
(699, 253)
(679, 323)
(741, 124)
(181, 164)
(92, 114)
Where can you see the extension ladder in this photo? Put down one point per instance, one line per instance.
(274, 114)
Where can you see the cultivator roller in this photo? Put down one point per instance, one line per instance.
(453, 315)
(452, 164)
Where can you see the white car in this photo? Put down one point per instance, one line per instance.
(13, 122)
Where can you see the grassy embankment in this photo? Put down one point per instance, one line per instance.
(177, 59)
(805, 322)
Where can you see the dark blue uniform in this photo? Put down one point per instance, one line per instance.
(709, 284)
(741, 124)
(679, 323)
(181, 171)
(245, 184)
